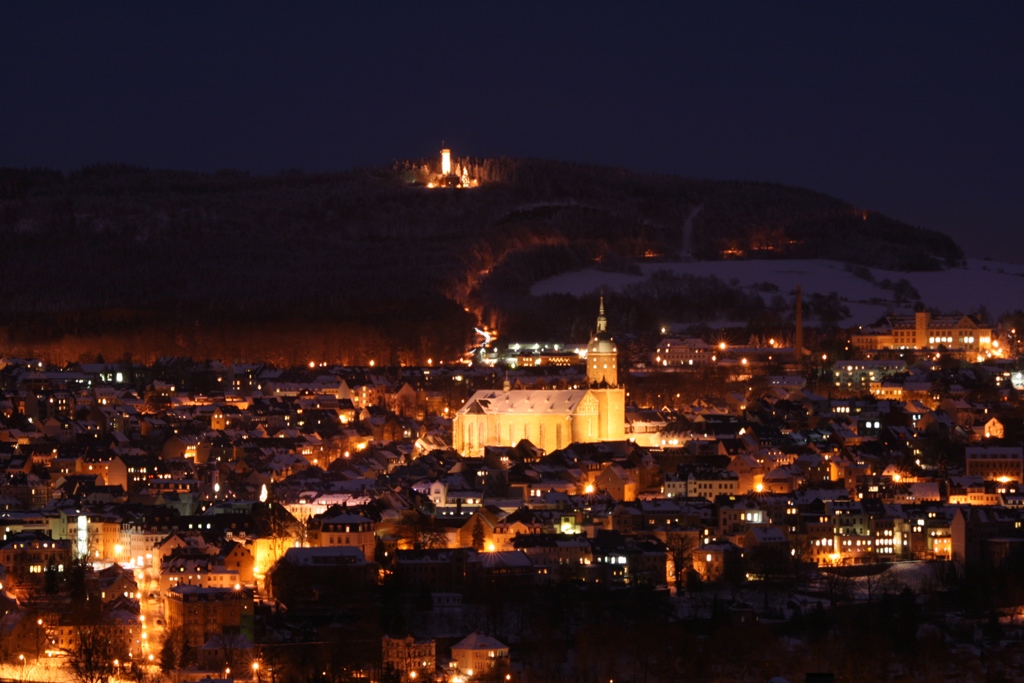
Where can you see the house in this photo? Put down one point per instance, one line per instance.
(618, 482)
(477, 655)
(996, 463)
(718, 559)
(202, 613)
(320, 579)
(334, 530)
(408, 656)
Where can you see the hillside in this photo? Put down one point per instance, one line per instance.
(370, 264)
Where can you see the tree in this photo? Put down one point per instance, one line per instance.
(478, 535)
(770, 563)
(40, 635)
(838, 585)
(51, 579)
(278, 525)
(233, 647)
(681, 545)
(175, 652)
(422, 532)
(93, 651)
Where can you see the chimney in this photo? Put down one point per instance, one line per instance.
(798, 335)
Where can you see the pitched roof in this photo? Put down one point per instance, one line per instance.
(478, 641)
(524, 401)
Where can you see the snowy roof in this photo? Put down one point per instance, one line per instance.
(529, 401)
(505, 559)
(478, 641)
(323, 556)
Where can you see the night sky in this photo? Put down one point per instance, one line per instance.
(916, 110)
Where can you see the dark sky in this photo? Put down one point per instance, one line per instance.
(913, 109)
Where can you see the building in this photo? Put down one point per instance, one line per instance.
(996, 463)
(548, 418)
(672, 353)
(477, 654)
(343, 530)
(408, 656)
(860, 374)
(694, 482)
(321, 579)
(203, 613)
(29, 555)
(925, 331)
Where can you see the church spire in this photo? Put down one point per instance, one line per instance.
(602, 322)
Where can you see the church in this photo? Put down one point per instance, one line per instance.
(548, 418)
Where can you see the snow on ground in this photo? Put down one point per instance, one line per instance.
(997, 286)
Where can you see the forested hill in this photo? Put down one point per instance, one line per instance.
(370, 263)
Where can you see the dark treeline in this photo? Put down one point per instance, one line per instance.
(374, 249)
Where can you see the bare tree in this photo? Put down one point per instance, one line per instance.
(838, 585)
(681, 545)
(235, 648)
(94, 650)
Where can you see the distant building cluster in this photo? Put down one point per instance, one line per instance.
(926, 331)
(200, 506)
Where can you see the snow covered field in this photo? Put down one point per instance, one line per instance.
(997, 286)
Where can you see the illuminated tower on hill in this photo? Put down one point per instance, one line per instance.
(603, 377)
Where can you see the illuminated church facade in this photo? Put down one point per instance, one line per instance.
(548, 418)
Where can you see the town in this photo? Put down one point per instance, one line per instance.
(533, 513)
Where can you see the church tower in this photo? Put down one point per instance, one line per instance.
(603, 378)
(602, 356)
